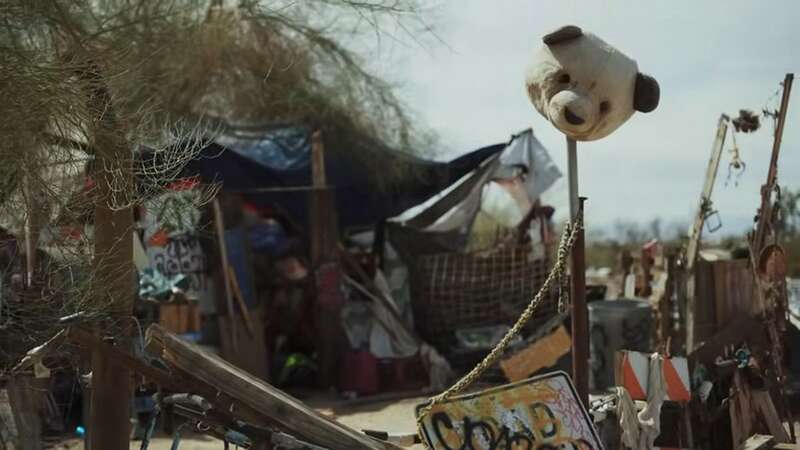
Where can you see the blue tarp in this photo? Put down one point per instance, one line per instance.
(282, 149)
(360, 202)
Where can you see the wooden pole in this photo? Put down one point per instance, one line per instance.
(580, 314)
(324, 252)
(775, 306)
(693, 247)
(772, 175)
(223, 253)
(237, 293)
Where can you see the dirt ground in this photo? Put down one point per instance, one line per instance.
(395, 416)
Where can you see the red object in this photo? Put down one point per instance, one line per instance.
(399, 374)
(159, 239)
(184, 184)
(251, 208)
(358, 372)
(328, 281)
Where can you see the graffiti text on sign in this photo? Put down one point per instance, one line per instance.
(182, 255)
(487, 434)
(538, 413)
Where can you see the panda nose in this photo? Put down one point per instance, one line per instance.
(573, 118)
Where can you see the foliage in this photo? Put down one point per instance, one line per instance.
(790, 223)
(78, 76)
(790, 211)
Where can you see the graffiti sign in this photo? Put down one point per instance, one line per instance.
(170, 234)
(538, 413)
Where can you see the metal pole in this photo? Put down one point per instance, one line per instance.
(580, 321)
(572, 176)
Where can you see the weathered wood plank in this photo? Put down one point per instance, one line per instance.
(758, 442)
(542, 353)
(120, 357)
(284, 411)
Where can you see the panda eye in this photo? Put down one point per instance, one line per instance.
(564, 78)
(605, 106)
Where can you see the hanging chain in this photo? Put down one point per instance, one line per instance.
(736, 163)
(558, 272)
(564, 299)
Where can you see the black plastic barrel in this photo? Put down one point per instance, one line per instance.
(615, 325)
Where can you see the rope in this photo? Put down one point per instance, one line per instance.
(558, 272)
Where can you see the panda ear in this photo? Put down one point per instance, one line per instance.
(646, 93)
(562, 34)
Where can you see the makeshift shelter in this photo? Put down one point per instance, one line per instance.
(463, 301)
(274, 169)
(266, 211)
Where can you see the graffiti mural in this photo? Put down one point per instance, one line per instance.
(171, 238)
(537, 413)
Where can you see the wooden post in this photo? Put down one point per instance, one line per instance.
(774, 300)
(223, 253)
(324, 230)
(772, 175)
(580, 314)
(324, 251)
(693, 247)
(113, 271)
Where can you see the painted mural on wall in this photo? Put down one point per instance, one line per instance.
(538, 413)
(171, 238)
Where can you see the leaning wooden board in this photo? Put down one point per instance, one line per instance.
(540, 412)
(281, 409)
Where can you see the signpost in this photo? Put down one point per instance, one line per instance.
(540, 412)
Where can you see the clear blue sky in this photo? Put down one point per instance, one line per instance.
(709, 57)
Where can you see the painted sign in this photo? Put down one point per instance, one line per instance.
(170, 224)
(538, 413)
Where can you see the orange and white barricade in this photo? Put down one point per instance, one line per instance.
(632, 370)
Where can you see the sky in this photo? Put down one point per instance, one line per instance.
(709, 57)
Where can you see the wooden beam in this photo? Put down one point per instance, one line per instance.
(120, 357)
(284, 411)
(693, 247)
(324, 238)
(324, 230)
(764, 213)
(237, 292)
(542, 353)
(223, 253)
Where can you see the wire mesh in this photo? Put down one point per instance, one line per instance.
(460, 291)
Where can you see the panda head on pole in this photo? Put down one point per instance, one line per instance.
(585, 87)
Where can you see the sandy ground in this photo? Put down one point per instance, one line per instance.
(395, 416)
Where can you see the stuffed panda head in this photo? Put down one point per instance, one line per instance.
(585, 87)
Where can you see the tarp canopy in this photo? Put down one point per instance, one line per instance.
(443, 222)
(251, 165)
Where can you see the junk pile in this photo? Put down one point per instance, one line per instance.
(729, 313)
(298, 272)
